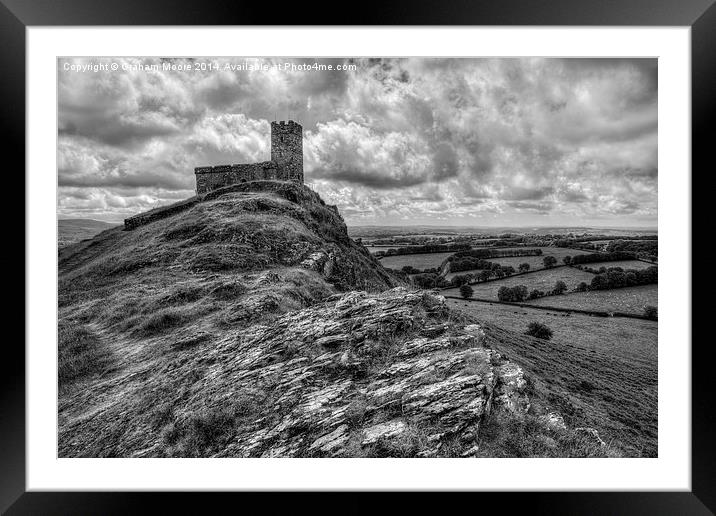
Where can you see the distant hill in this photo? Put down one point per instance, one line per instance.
(247, 323)
(392, 231)
(70, 231)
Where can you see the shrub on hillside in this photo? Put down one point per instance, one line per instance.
(539, 331)
(524, 267)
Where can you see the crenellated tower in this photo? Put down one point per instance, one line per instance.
(286, 162)
(287, 150)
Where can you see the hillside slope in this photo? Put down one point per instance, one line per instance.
(70, 231)
(247, 323)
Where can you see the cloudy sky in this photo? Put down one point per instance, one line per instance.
(480, 142)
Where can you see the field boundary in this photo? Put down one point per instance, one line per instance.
(510, 276)
(463, 250)
(595, 313)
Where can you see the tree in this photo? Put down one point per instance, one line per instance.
(524, 267)
(485, 275)
(504, 294)
(651, 312)
(539, 330)
(509, 270)
(460, 280)
(425, 281)
(598, 282)
(549, 262)
(582, 287)
(499, 272)
(559, 288)
(616, 278)
(512, 294)
(441, 282)
(535, 294)
(519, 293)
(567, 260)
(466, 291)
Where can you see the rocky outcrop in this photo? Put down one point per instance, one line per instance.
(395, 374)
(361, 375)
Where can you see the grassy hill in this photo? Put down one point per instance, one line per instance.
(247, 323)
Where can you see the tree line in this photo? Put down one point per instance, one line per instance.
(616, 277)
(421, 249)
(602, 257)
(476, 258)
(612, 278)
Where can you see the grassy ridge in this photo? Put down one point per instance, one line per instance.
(599, 372)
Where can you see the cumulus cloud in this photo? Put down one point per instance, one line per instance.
(464, 141)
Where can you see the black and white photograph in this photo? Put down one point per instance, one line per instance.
(419, 257)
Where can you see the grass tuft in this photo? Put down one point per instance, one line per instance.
(161, 321)
(512, 435)
(80, 353)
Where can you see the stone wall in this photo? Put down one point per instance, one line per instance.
(211, 178)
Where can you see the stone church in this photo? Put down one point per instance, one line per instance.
(286, 162)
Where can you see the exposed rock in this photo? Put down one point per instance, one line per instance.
(441, 386)
(591, 434)
(511, 390)
(554, 421)
(331, 441)
(351, 376)
(315, 261)
(382, 431)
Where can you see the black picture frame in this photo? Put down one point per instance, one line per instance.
(17, 15)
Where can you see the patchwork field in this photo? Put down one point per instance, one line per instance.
(605, 367)
(536, 262)
(628, 299)
(626, 264)
(561, 252)
(419, 261)
(451, 275)
(541, 280)
(375, 248)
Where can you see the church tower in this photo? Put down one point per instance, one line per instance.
(287, 150)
